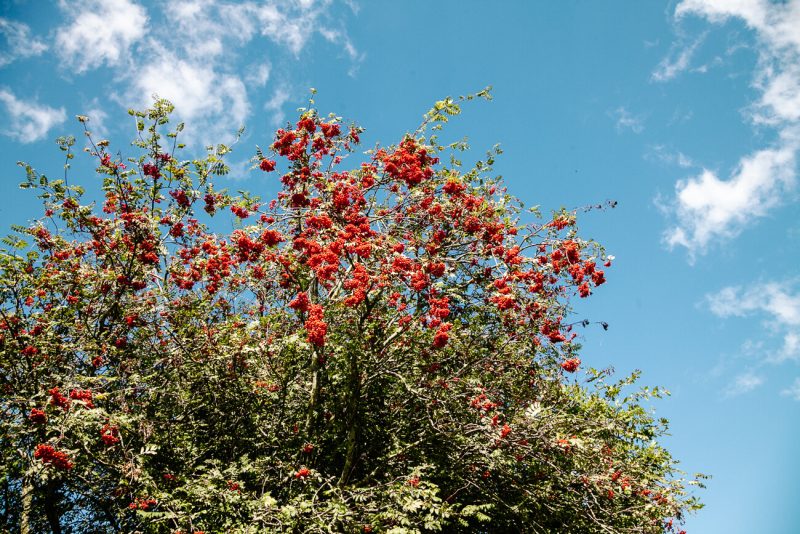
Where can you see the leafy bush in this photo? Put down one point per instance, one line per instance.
(378, 349)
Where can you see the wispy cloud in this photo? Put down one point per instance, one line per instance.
(744, 383)
(258, 75)
(99, 32)
(215, 103)
(211, 58)
(709, 208)
(793, 391)
(625, 120)
(191, 53)
(777, 27)
(677, 61)
(27, 120)
(19, 43)
(671, 157)
(275, 104)
(776, 304)
(98, 120)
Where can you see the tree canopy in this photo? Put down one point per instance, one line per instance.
(384, 347)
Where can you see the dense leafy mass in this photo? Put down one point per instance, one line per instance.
(378, 349)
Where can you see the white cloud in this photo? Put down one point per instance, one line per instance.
(205, 24)
(191, 53)
(258, 75)
(665, 155)
(676, 62)
(335, 36)
(19, 42)
(780, 101)
(275, 104)
(99, 31)
(214, 104)
(777, 303)
(709, 208)
(193, 66)
(744, 383)
(770, 297)
(793, 391)
(626, 120)
(98, 119)
(777, 27)
(207, 29)
(29, 121)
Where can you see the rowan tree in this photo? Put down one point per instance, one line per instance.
(384, 347)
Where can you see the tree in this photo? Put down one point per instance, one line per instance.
(379, 349)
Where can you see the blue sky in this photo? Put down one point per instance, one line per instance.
(687, 113)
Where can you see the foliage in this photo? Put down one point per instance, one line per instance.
(378, 349)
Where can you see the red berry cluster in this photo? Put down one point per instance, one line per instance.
(52, 457)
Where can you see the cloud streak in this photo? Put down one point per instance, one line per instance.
(625, 120)
(793, 391)
(19, 42)
(195, 59)
(708, 208)
(776, 304)
(678, 61)
(29, 121)
(744, 383)
(99, 32)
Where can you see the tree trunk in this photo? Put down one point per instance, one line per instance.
(27, 505)
(353, 419)
(51, 507)
(313, 401)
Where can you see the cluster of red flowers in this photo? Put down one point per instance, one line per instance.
(454, 187)
(37, 416)
(293, 144)
(565, 444)
(110, 435)
(210, 200)
(143, 504)
(303, 472)
(82, 395)
(284, 145)
(58, 400)
(151, 170)
(50, 456)
(552, 330)
(181, 198)
(439, 309)
(240, 211)
(560, 222)
(301, 302)
(315, 325)
(330, 129)
(482, 402)
(106, 162)
(442, 335)
(358, 284)
(323, 260)
(410, 163)
(571, 365)
(248, 249)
